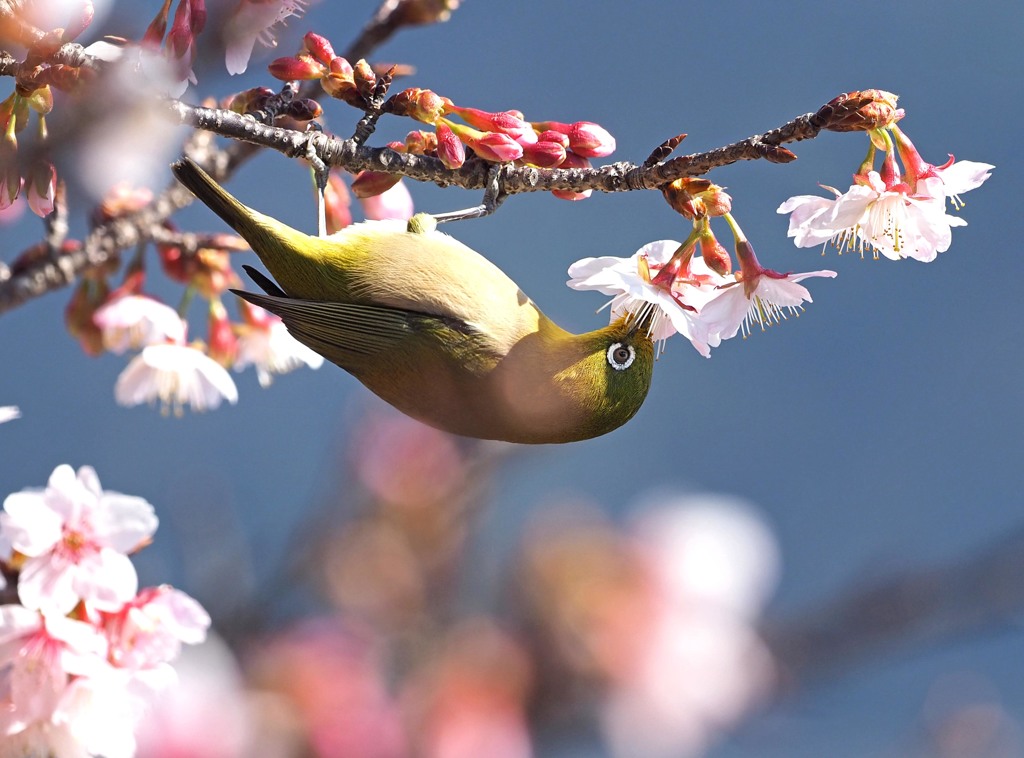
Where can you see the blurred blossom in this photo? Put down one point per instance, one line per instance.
(252, 21)
(405, 462)
(701, 665)
(372, 572)
(10, 214)
(207, 715)
(128, 139)
(710, 548)
(75, 538)
(65, 14)
(470, 700)
(9, 413)
(176, 375)
(329, 679)
(265, 344)
(394, 203)
(134, 321)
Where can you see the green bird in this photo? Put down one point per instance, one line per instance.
(436, 330)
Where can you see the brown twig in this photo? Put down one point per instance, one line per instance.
(919, 606)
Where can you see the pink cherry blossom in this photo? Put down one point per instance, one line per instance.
(763, 299)
(38, 654)
(75, 538)
(671, 309)
(148, 631)
(177, 376)
(265, 344)
(134, 321)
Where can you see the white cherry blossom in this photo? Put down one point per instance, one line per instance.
(177, 376)
(135, 321)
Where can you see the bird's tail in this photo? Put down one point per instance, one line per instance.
(280, 247)
(240, 217)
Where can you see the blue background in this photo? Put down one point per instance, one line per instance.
(878, 432)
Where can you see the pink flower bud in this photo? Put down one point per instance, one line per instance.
(41, 187)
(585, 137)
(420, 104)
(223, 346)
(373, 183)
(341, 67)
(552, 136)
(302, 67)
(507, 122)
(590, 140)
(319, 47)
(544, 154)
(180, 39)
(714, 254)
(420, 143)
(449, 148)
(157, 27)
(198, 16)
(490, 146)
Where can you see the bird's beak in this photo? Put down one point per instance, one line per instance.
(641, 319)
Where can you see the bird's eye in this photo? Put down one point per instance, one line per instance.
(620, 357)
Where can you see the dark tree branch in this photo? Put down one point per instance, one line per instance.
(917, 607)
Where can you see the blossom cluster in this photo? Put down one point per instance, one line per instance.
(670, 290)
(889, 211)
(84, 649)
(497, 137)
(892, 212)
(168, 368)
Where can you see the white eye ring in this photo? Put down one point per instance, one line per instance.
(617, 362)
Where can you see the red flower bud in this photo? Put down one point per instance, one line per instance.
(302, 67)
(223, 346)
(552, 136)
(372, 183)
(420, 142)
(319, 47)
(585, 137)
(449, 148)
(544, 154)
(507, 122)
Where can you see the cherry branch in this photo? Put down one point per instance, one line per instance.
(919, 606)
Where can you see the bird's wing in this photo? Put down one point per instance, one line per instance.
(332, 327)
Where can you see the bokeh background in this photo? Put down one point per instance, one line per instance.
(878, 434)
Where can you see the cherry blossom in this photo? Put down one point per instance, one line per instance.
(134, 321)
(763, 299)
(265, 344)
(147, 633)
(671, 306)
(38, 654)
(9, 413)
(177, 376)
(75, 537)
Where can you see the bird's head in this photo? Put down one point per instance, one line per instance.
(609, 381)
